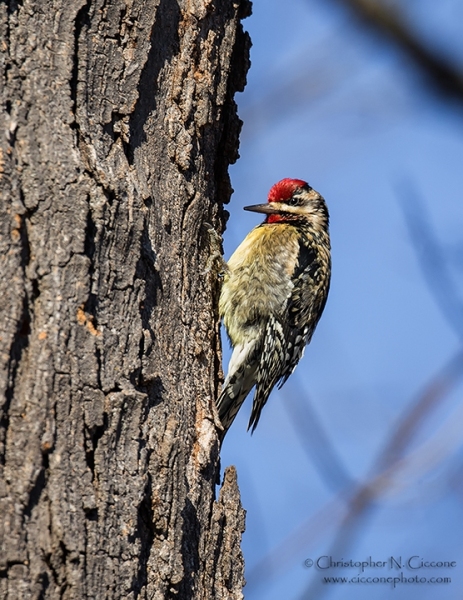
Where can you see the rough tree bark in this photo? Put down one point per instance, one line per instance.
(117, 128)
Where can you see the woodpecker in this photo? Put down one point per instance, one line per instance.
(273, 294)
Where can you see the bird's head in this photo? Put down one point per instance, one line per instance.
(293, 200)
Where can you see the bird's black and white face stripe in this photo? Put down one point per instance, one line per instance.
(305, 202)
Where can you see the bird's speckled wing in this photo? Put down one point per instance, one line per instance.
(307, 301)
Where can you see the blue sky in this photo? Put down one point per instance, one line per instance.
(329, 103)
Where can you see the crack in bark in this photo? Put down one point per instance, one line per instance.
(44, 582)
(95, 434)
(167, 17)
(20, 341)
(37, 488)
(13, 5)
(9, 564)
(19, 344)
(145, 533)
(81, 20)
(191, 530)
(91, 304)
(146, 271)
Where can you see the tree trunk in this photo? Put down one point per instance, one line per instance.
(117, 128)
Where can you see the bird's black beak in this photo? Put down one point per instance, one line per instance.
(268, 209)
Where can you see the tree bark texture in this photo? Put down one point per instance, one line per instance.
(116, 131)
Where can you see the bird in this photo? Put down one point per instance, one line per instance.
(274, 290)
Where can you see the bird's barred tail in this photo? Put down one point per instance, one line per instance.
(235, 389)
(239, 382)
(258, 363)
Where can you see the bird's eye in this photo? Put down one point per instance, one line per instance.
(293, 201)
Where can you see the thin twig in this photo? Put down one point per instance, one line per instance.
(447, 77)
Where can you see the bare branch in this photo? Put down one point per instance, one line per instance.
(431, 257)
(447, 77)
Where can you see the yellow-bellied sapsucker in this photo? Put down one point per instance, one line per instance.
(273, 294)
